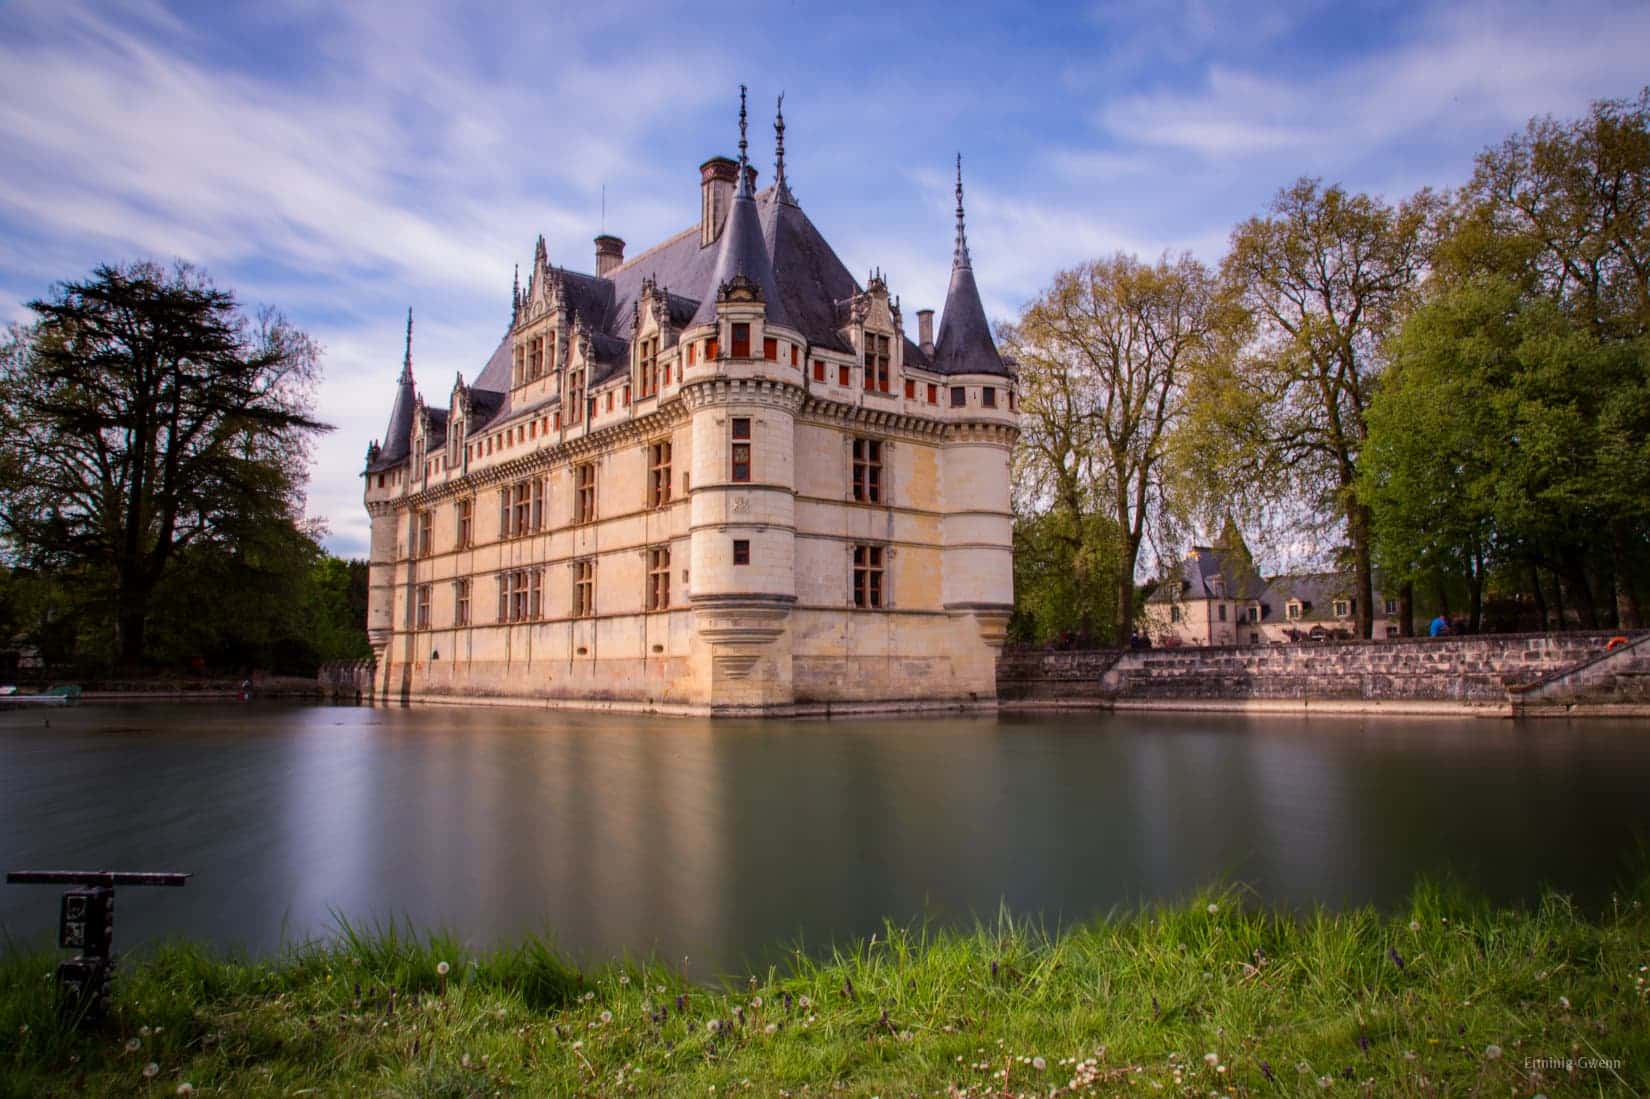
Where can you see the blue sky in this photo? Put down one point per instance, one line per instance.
(345, 161)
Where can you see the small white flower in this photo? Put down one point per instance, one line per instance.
(151, 1070)
(1213, 908)
(756, 1003)
(442, 969)
(771, 1028)
(1564, 1002)
(1415, 925)
(804, 1003)
(1211, 1058)
(464, 1060)
(607, 1016)
(1039, 1064)
(1492, 1052)
(145, 1031)
(185, 1088)
(714, 1025)
(132, 1045)
(624, 979)
(1325, 1081)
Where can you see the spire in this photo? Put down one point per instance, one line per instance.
(781, 189)
(398, 436)
(515, 298)
(741, 249)
(744, 190)
(965, 345)
(406, 359)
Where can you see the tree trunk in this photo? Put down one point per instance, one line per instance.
(1540, 596)
(1357, 525)
(1406, 609)
(1574, 578)
(1629, 615)
(131, 615)
(1475, 593)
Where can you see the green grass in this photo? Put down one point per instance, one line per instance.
(1450, 997)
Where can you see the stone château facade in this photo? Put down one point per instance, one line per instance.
(714, 478)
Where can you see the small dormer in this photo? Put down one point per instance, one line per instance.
(651, 335)
(538, 338)
(458, 421)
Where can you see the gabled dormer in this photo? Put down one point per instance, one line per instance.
(651, 335)
(877, 333)
(458, 422)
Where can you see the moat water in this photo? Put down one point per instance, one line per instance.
(723, 842)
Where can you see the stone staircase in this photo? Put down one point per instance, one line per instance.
(1618, 677)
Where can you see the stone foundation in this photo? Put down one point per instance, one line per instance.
(1499, 674)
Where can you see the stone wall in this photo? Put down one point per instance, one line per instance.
(1478, 671)
(346, 680)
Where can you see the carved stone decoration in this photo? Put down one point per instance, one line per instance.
(738, 289)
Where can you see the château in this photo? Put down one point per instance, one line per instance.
(717, 477)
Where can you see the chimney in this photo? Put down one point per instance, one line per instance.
(750, 174)
(609, 254)
(925, 330)
(716, 179)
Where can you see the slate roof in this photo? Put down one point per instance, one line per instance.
(769, 239)
(1317, 592)
(1211, 573)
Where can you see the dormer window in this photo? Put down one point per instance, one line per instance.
(1292, 610)
(876, 362)
(741, 341)
(1343, 608)
(648, 381)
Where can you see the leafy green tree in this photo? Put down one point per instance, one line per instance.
(1324, 275)
(147, 417)
(1061, 592)
(1103, 358)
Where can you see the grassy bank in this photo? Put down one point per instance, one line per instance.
(1212, 996)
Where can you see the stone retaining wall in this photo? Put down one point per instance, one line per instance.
(346, 680)
(1455, 671)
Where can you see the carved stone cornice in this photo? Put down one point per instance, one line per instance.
(975, 431)
(830, 413)
(701, 393)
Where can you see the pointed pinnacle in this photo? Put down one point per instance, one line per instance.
(959, 257)
(782, 189)
(406, 361)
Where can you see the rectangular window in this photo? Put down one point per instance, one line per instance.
(535, 593)
(584, 492)
(658, 578)
(877, 359)
(933, 393)
(538, 503)
(504, 597)
(1223, 612)
(988, 396)
(741, 341)
(461, 602)
(867, 576)
(521, 509)
(959, 396)
(584, 589)
(711, 349)
(741, 551)
(1174, 613)
(693, 353)
(910, 389)
(1293, 612)
(741, 449)
(867, 472)
(575, 396)
(610, 400)
(648, 369)
(1343, 609)
(794, 355)
(770, 349)
(844, 375)
(1254, 614)
(426, 533)
(1391, 606)
(423, 615)
(518, 595)
(819, 376)
(658, 474)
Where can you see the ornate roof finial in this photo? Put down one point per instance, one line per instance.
(744, 176)
(406, 360)
(959, 257)
(782, 189)
(515, 297)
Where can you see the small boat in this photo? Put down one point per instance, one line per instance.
(65, 695)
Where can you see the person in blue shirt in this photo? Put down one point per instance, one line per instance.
(1439, 627)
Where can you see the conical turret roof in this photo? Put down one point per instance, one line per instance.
(964, 345)
(741, 249)
(398, 435)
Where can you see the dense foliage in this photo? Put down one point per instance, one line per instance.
(1453, 390)
(151, 486)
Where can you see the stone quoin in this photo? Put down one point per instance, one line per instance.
(716, 477)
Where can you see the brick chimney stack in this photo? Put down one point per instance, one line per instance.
(717, 177)
(609, 254)
(925, 331)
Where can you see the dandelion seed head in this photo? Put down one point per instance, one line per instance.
(607, 1016)
(442, 969)
(714, 1025)
(132, 1045)
(624, 979)
(1213, 908)
(1492, 1052)
(151, 1070)
(1039, 1064)
(1415, 925)
(1211, 1058)
(185, 1088)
